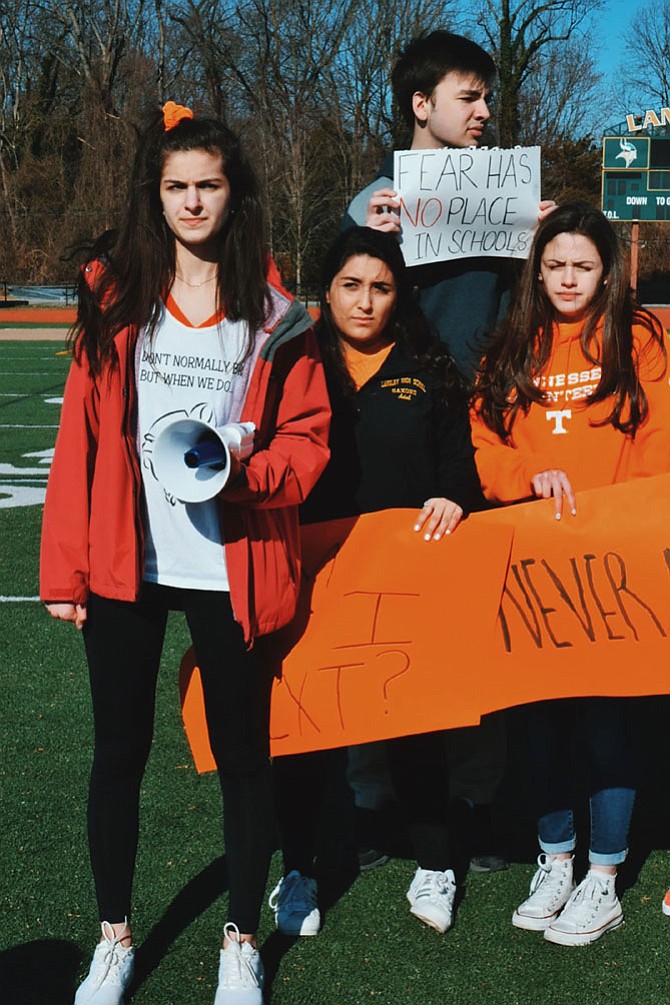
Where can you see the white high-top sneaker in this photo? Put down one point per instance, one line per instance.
(592, 910)
(550, 890)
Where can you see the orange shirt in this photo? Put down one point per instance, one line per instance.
(176, 312)
(559, 432)
(363, 365)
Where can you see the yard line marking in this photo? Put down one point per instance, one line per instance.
(25, 486)
(25, 425)
(14, 496)
(11, 469)
(19, 600)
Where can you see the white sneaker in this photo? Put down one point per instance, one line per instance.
(550, 890)
(431, 895)
(592, 910)
(111, 971)
(241, 973)
(294, 902)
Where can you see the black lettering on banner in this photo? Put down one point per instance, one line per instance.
(378, 595)
(666, 556)
(621, 587)
(544, 610)
(586, 622)
(589, 560)
(338, 668)
(534, 629)
(535, 610)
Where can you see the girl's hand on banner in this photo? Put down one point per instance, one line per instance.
(438, 517)
(557, 484)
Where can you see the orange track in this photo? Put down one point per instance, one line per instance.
(66, 315)
(39, 315)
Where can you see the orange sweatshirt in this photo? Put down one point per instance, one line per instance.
(559, 433)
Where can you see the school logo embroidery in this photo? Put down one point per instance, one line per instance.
(557, 417)
(404, 388)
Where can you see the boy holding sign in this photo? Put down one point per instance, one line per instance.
(442, 84)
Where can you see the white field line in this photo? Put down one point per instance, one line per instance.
(47, 401)
(9, 469)
(19, 600)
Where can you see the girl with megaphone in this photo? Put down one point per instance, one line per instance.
(178, 318)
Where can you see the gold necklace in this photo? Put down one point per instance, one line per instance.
(195, 285)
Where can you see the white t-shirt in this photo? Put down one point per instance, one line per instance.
(195, 373)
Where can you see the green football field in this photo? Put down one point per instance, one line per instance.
(370, 950)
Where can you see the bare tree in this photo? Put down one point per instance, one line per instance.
(558, 98)
(278, 58)
(206, 46)
(14, 55)
(647, 69)
(360, 109)
(519, 34)
(93, 38)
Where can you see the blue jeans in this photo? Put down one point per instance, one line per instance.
(589, 738)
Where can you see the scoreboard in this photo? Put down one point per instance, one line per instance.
(636, 178)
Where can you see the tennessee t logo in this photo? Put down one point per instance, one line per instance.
(559, 429)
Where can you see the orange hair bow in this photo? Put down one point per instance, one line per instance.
(174, 113)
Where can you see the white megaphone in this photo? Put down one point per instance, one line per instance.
(191, 460)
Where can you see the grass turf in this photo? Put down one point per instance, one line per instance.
(371, 950)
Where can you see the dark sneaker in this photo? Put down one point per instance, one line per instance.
(294, 903)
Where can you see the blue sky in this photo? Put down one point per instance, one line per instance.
(611, 27)
(613, 23)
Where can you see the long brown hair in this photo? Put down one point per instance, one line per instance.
(522, 347)
(407, 325)
(139, 258)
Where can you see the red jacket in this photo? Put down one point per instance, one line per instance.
(92, 535)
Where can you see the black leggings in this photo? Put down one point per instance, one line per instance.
(420, 775)
(123, 647)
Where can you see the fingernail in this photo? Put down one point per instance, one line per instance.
(417, 526)
(558, 516)
(426, 537)
(574, 512)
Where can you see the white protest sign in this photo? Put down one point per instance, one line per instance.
(465, 203)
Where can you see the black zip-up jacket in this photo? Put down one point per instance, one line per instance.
(394, 444)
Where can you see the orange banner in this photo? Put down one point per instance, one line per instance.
(396, 635)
